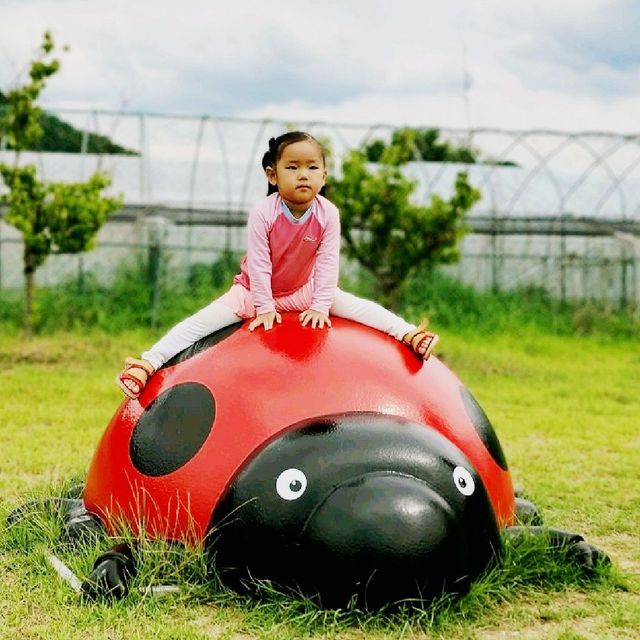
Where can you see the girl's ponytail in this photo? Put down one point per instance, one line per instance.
(269, 160)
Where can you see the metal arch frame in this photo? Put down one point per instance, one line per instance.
(370, 132)
(144, 180)
(338, 132)
(252, 154)
(597, 161)
(202, 123)
(516, 140)
(601, 150)
(543, 166)
(502, 156)
(621, 177)
(227, 177)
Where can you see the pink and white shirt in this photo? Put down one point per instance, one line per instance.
(284, 253)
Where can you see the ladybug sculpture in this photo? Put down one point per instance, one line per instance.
(330, 461)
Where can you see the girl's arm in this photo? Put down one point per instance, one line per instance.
(259, 262)
(327, 265)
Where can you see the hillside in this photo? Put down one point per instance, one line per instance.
(60, 136)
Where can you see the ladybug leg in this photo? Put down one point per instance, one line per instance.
(527, 512)
(111, 574)
(76, 520)
(578, 550)
(78, 523)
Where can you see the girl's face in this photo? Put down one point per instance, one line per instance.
(299, 174)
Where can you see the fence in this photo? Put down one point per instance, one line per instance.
(559, 210)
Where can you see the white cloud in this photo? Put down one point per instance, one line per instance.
(360, 61)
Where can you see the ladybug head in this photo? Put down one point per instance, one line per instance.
(357, 503)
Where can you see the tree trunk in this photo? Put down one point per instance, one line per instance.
(29, 284)
(28, 305)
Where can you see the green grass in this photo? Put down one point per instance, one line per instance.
(566, 410)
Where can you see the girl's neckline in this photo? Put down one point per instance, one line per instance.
(288, 213)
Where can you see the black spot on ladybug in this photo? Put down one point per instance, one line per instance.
(172, 429)
(203, 344)
(483, 427)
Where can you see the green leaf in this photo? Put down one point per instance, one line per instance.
(387, 233)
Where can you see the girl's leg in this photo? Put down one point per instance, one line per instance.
(213, 317)
(346, 305)
(231, 307)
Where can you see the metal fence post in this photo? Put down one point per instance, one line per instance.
(157, 234)
(624, 265)
(563, 261)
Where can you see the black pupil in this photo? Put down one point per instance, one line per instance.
(462, 482)
(295, 485)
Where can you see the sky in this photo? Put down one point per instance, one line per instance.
(570, 65)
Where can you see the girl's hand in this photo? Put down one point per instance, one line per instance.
(316, 318)
(266, 320)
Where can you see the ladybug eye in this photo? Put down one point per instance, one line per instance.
(291, 484)
(464, 481)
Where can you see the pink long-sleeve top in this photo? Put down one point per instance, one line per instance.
(284, 253)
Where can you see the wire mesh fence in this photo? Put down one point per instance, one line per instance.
(559, 211)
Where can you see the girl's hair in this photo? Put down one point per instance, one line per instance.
(278, 145)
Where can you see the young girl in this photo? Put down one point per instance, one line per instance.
(293, 245)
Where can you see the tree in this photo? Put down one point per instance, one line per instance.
(52, 217)
(409, 144)
(388, 234)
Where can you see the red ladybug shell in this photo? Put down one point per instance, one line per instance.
(263, 383)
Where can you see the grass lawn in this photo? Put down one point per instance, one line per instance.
(567, 411)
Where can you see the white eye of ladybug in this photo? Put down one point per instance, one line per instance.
(291, 484)
(463, 481)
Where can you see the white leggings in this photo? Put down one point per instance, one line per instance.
(217, 315)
